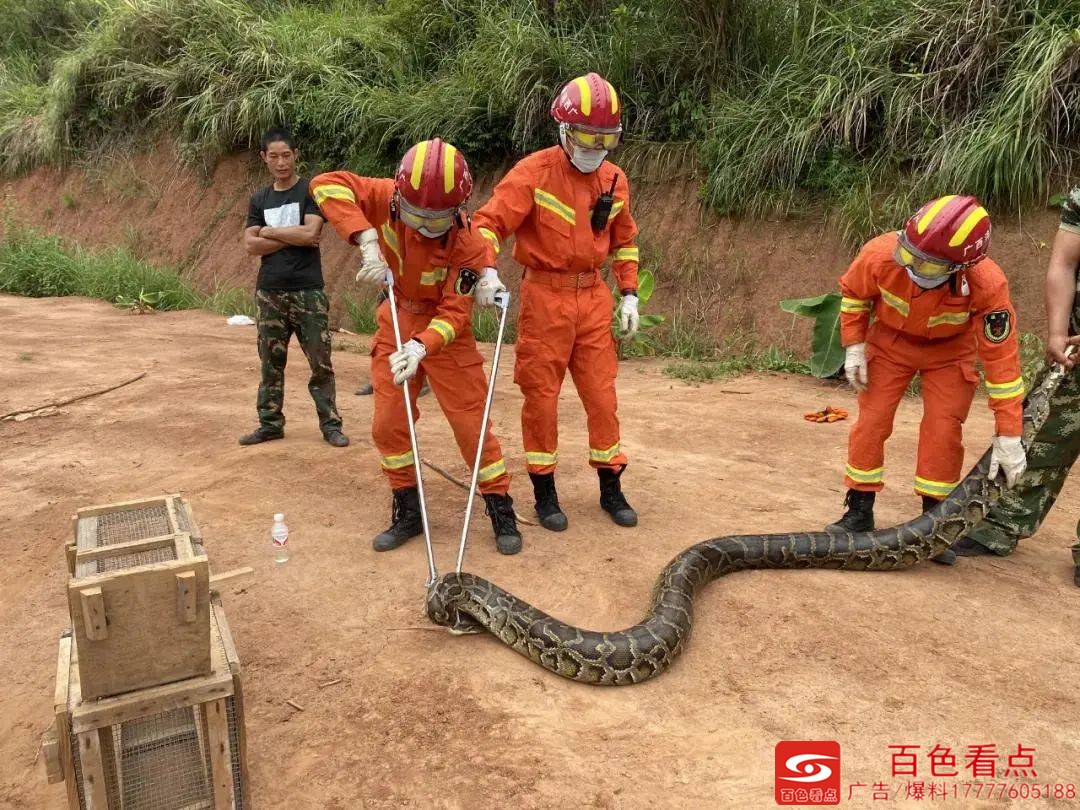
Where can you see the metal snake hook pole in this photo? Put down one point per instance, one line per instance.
(433, 574)
(502, 300)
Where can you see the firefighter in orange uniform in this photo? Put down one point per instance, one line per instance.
(414, 225)
(570, 211)
(937, 301)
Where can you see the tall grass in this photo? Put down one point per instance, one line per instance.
(869, 105)
(39, 266)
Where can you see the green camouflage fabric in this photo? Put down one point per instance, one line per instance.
(1022, 509)
(282, 314)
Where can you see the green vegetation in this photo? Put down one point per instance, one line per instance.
(866, 105)
(39, 266)
(770, 359)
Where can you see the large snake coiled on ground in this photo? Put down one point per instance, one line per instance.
(466, 603)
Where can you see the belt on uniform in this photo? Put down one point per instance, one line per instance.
(415, 307)
(556, 279)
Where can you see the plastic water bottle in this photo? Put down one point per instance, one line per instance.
(279, 532)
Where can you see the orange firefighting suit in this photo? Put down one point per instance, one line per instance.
(432, 288)
(937, 334)
(566, 308)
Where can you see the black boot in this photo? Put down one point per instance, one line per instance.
(500, 509)
(259, 435)
(1076, 576)
(547, 502)
(612, 500)
(406, 520)
(948, 556)
(859, 516)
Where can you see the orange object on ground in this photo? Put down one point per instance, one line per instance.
(828, 414)
(565, 320)
(937, 333)
(432, 284)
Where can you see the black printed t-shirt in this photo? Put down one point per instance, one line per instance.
(293, 267)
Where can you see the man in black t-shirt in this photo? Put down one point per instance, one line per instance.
(283, 227)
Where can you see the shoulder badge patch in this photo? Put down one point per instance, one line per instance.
(997, 326)
(466, 281)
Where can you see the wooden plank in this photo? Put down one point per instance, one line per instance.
(110, 711)
(228, 644)
(193, 527)
(186, 597)
(86, 533)
(170, 508)
(232, 577)
(63, 669)
(182, 546)
(128, 547)
(93, 613)
(70, 550)
(110, 761)
(217, 726)
(93, 772)
(50, 755)
(146, 645)
(120, 506)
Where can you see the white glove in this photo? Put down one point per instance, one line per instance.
(489, 285)
(403, 363)
(855, 367)
(1009, 457)
(628, 316)
(373, 268)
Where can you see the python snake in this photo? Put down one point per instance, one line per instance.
(466, 603)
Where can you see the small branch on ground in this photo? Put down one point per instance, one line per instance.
(465, 487)
(295, 705)
(37, 408)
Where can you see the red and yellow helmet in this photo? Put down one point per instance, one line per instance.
(951, 231)
(589, 106)
(433, 176)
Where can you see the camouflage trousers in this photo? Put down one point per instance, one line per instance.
(304, 313)
(1023, 508)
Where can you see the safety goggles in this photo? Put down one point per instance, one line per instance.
(591, 139)
(427, 221)
(923, 265)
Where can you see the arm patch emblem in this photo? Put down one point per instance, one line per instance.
(466, 280)
(997, 326)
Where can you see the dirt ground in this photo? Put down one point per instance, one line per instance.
(985, 652)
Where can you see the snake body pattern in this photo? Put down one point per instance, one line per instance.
(466, 603)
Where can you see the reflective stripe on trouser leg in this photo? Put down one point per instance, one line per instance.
(594, 365)
(457, 379)
(877, 407)
(947, 392)
(546, 328)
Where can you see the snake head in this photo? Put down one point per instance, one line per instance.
(443, 597)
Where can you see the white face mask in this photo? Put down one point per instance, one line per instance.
(430, 234)
(586, 161)
(926, 283)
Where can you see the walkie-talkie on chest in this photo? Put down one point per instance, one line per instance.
(602, 209)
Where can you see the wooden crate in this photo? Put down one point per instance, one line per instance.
(179, 746)
(139, 595)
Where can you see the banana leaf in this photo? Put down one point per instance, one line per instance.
(828, 354)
